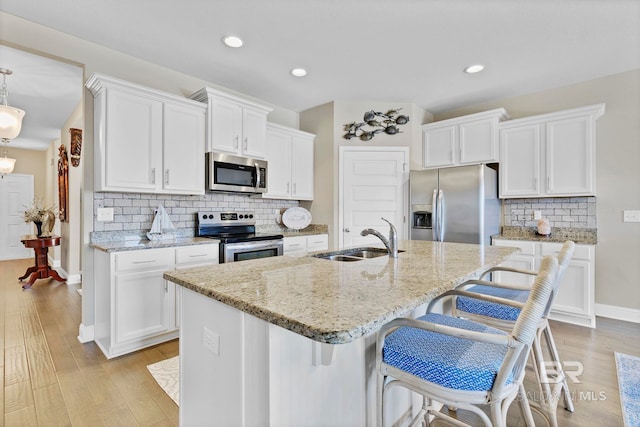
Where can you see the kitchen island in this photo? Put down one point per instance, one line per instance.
(290, 340)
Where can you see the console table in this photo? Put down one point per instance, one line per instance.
(41, 270)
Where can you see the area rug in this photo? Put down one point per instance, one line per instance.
(167, 375)
(628, 368)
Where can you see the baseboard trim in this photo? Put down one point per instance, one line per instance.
(85, 333)
(71, 279)
(619, 313)
(55, 263)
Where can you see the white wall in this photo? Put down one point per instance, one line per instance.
(617, 174)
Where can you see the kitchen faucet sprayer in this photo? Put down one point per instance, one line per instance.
(391, 244)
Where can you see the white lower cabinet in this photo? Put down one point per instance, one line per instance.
(575, 301)
(135, 306)
(300, 245)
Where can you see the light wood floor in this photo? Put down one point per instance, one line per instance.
(50, 379)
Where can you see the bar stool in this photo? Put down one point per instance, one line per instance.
(462, 363)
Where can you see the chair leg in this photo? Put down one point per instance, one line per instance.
(525, 407)
(568, 402)
(497, 416)
(380, 400)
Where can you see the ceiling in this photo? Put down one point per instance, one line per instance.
(357, 50)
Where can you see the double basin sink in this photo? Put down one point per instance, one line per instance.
(354, 254)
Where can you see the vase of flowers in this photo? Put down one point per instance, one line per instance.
(41, 215)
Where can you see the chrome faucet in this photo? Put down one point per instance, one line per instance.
(391, 244)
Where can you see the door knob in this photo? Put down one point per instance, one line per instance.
(346, 230)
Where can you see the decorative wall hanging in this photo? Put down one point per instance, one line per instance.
(63, 184)
(76, 146)
(374, 123)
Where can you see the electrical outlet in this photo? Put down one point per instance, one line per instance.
(631, 216)
(104, 214)
(537, 214)
(211, 341)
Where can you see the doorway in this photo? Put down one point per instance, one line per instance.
(373, 184)
(16, 191)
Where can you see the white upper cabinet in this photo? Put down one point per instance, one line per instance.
(235, 125)
(466, 140)
(146, 141)
(290, 159)
(550, 155)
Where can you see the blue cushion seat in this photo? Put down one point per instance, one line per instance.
(451, 362)
(491, 309)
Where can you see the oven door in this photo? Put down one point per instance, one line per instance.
(232, 252)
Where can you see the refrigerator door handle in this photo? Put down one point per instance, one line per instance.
(441, 227)
(434, 210)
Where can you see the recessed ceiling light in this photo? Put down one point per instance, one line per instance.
(475, 68)
(299, 72)
(232, 41)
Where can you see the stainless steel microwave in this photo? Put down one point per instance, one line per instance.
(235, 174)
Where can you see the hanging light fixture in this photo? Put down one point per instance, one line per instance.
(10, 123)
(6, 163)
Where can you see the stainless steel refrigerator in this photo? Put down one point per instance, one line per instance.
(458, 204)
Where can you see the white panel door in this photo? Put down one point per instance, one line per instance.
(225, 126)
(279, 171)
(373, 186)
(254, 133)
(302, 168)
(16, 191)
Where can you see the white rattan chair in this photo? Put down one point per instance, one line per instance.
(471, 305)
(462, 363)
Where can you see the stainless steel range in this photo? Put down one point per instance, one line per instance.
(237, 234)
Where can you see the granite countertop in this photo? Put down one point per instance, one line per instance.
(141, 243)
(584, 236)
(338, 302)
(288, 232)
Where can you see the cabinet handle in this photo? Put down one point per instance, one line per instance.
(288, 185)
(295, 188)
(166, 287)
(153, 175)
(166, 176)
(548, 183)
(535, 183)
(246, 142)
(291, 245)
(197, 256)
(235, 142)
(144, 262)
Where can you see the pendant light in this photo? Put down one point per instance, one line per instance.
(10, 123)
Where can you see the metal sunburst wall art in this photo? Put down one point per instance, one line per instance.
(374, 123)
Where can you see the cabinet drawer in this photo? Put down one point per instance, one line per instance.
(196, 254)
(317, 242)
(144, 259)
(581, 252)
(526, 248)
(295, 244)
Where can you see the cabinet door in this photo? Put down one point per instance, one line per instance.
(570, 157)
(478, 142)
(302, 169)
(439, 146)
(317, 242)
(254, 132)
(225, 127)
(143, 305)
(279, 165)
(183, 149)
(520, 161)
(131, 151)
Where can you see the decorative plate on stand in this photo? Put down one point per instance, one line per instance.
(296, 218)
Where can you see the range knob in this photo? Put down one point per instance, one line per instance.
(241, 216)
(204, 217)
(210, 216)
(250, 216)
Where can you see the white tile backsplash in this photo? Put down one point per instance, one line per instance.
(568, 212)
(135, 212)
